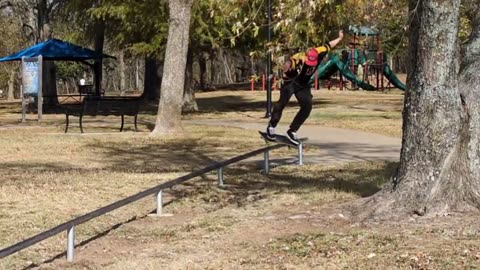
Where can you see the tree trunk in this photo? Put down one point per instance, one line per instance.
(99, 43)
(121, 60)
(173, 81)
(49, 78)
(439, 163)
(49, 84)
(467, 163)
(153, 79)
(137, 75)
(189, 102)
(11, 84)
(202, 62)
(213, 70)
(226, 67)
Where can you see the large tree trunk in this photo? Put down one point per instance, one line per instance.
(439, 163)
(189, 102)
(467, 163)
(173, 81)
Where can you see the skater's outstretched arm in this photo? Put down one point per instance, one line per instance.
(334, 42)
(322, 51)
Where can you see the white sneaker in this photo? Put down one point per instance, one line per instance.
(270, 132)
(292, 137)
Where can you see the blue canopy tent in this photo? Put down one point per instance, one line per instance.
(58, 50)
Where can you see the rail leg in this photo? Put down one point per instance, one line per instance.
(300, 154)
(71, 244)
(123, 120)
(160, 203)
(66, 124)
(135, 121)
(80, 121)
(266, 164)
(220, 176)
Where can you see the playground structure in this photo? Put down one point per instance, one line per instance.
(364, 63)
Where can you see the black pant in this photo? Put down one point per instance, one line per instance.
(304, 97)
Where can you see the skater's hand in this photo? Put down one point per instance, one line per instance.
(340, 34)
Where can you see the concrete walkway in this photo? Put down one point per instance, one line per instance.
(336, 145)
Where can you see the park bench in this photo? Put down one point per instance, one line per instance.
(103, 106)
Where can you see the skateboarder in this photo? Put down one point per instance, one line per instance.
(297, 73)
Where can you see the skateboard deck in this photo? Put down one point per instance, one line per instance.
(264, 136)
(280, 139)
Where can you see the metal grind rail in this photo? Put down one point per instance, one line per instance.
(69, 226)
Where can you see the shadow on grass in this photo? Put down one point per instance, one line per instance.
(360, 181)
(227, 103)
(244, 179)
(91, 239)
(241, 104)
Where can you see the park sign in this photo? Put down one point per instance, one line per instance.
(32, 84)
(30, 75)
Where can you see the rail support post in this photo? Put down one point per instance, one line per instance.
(159, 211)
(160, 203)
(71, 244)
(220, 176)
(300, 154)
(266, 162)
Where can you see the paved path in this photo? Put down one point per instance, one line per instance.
(336, 145)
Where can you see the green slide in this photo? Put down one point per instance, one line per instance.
(392, 78)
(326, 70)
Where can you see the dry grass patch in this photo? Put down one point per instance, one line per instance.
(213, 223)
(48, 177)
(366, 111)
(273, 223)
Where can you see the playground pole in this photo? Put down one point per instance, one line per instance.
(378, 63)
(269, 63)
(353, 52)
(354, 56)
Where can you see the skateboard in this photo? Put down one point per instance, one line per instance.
(280, 139)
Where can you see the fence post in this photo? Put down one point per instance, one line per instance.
(220, 176)
(266, 162)
(71, 244)
(160, 203)
(300, 154)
